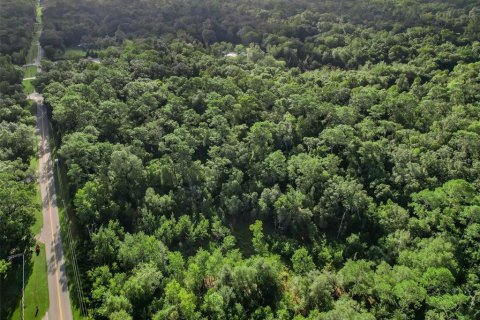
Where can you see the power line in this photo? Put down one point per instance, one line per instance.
(76, 272)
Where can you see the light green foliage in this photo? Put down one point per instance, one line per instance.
(329, 169)
(302, 262)
(3, 266)
(141, 248)
(16, 216)
(126, 173)
(258, 240)
(107, 242)
(346, 309)
(143, 283)
(120, 315)
(432, 252)
(358, 277)
(438, 279)
(409, 294)
(178, 304)
(16, 141)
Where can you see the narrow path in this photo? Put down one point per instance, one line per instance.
(60, 307)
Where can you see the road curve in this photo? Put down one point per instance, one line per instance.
(60, 307)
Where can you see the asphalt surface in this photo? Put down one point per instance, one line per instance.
(60, 307)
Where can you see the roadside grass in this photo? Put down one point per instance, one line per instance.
(36, 288)
(33, 50)
(39, 13)
(63, 204)
(11, 293)
(37, 199)
(29, 72)
(36, 285)
(28, 87)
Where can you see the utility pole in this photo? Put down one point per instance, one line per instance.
(60, 182)
(23, 279)
(76, 272)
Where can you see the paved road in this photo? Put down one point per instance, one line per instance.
(60, 307)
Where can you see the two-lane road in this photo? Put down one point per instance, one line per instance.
(60, 308)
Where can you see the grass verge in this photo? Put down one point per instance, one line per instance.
(36, 285)
(37, 227)
(33, 50)
(36, 289)
(28, 87)
(29, 72)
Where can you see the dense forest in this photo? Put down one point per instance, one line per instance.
(17, 139)
(17, 20)
(261, 159)
(304, 33)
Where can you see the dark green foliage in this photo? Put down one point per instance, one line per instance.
(328, 170)
(17, 21)
(17, 146)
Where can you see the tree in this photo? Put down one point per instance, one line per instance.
(357, 277)
(16, 217)
(112, 118)
(349, 129)
(345, 201)
(141, 248)
(447, 305)
(126, 174)
(16, 141)
(410, 294)
(346, 308)
(273, 169)
(4, 265)
(302, 262)
(392, 217)
(81, 153)
(114, 306)
(214, 305)
(178, 303)
(259, 244)
(255, 282)
(291, 212)
(430, 253)
(120, 315)
(107, 242)
(143, 283)
(73, 112)
(93, 204)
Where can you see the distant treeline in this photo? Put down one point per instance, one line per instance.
(304, 33)
(17, 20)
